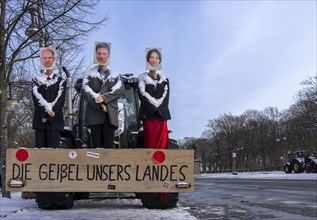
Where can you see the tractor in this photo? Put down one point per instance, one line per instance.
(82, 171)
(300, 161)
(128, 135)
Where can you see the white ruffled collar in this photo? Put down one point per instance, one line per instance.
(42, 79)
(149, 80)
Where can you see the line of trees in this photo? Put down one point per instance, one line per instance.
(260, 139)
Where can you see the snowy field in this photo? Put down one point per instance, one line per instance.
(18, 208)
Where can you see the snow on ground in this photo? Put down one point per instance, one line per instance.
(261, 175)
(18, 208)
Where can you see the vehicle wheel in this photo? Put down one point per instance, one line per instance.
(55, 200)
(287, 168)
(159, 200)
(139, 195)
(313, 167)
(81, 195)
(297, 167)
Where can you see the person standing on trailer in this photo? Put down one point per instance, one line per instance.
(102, 88)
(154, 96)
(48, 91)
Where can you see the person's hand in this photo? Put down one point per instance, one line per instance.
(51, 114)
(99, 100)
(104, 107)
(44, 120)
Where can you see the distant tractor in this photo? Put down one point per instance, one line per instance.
(300, 161)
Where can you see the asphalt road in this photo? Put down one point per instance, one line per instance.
(216, 198)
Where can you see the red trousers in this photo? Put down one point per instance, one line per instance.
(155, 134)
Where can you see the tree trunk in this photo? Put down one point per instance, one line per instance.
(3, 137)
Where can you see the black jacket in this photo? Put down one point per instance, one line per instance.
(48, 95)
(154, 97)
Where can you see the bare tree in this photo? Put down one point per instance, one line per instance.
(20, 133)
(301, 118)
(63, 24)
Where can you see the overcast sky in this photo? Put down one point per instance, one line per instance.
(220, 56)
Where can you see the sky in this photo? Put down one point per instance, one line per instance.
(17, 208)
(221, 57)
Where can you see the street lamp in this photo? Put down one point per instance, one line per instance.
(33, 31)
(281, 139)
(234, 155)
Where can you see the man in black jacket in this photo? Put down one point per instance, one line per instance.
(49, 97)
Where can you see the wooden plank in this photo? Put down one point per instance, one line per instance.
(99, 170)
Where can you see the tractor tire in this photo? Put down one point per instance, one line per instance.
(287, 168)
(54, 200)
(313, 167)
(297, 167)
(81, 195)
(159, 200)
(139, 195)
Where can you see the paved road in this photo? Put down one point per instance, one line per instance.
(216, 198)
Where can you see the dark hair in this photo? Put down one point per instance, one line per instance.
(153, 51)
(103, 45)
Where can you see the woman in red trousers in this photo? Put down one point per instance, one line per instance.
(154, 96)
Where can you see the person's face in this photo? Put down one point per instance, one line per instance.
(154, 59)
(47, 58)
(102, 55)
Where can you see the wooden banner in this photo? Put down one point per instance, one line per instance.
(100, 170)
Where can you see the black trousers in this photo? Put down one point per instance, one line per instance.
(102, 135)
(47, 138)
